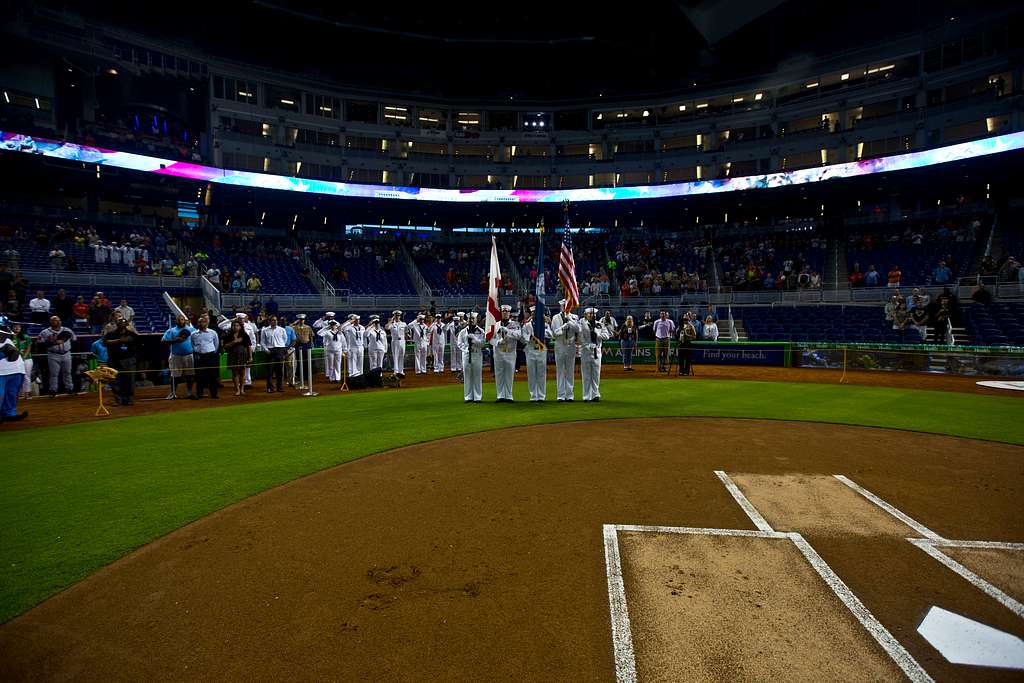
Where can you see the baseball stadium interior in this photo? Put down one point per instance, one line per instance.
(765, 206)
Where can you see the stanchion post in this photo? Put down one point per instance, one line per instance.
(842, 379)
(309, 361)
(344, 372)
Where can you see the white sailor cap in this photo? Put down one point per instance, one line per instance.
(472, 315)
(300, 316)
(420, 316)
(460, 314)
(374, 318)
(591, 310)
(506, 307)
(332, 323)
(532, 309)
(240, 315)
(396, 313)
(329, 314)
(353, 316)
(563, 302)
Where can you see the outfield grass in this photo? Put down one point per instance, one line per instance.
(77, 497)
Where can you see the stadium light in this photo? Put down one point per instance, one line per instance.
(682, 107)
(7, 98)
(646, 113)
(844, 77)
(758, 96)
(812, 85)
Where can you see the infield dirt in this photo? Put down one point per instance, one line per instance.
(481, 557)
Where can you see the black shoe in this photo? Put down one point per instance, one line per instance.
(568, 400)
(16, 418)
(478, 401)
(596, 400)
(586, 400)
(195, 397)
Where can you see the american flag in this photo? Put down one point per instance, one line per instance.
(567, 269)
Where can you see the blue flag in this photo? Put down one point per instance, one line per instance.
(538, 311)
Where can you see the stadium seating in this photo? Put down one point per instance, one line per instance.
(151, 313)
(363, 267)
(1000, 324)
(469, 267)
(916, 249)
(832, 324)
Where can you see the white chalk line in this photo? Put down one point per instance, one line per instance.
(994, 545)
(932, 542)
(913, 524)
(892, 647)
(981, 584)
(760, 522)
(622, 636)
(699, 531)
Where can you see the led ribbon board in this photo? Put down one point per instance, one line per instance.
(16, 142)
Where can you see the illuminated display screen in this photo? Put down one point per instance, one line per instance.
(16, 142)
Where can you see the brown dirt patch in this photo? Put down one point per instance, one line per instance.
(459, 560)
(1004, 569)
(727, 608)
(816, 504)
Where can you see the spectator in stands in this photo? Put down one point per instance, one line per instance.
(981, 294)
(710, 329)
(919, 321)
(126, 311)
(39, 308)
(61, 305)
(57, 257)
(254, 284)
(72, 265)
(856, 277)
(99, 313)
(872, 278)
(895, 275)
(942, 275)
(899, 319)
(80, 309)
(236, 285)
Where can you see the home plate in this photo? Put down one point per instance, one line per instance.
(965, 641)
(996, 384)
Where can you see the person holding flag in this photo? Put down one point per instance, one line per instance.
(536, 352)
(471, 342)
(565, 327)
(505, 341)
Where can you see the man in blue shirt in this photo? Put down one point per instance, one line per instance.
(289, 359)
(872, 278)
(942, 275)
(180, 361)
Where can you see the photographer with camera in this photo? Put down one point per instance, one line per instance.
(122, 348)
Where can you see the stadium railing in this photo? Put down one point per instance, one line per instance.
(57, 278)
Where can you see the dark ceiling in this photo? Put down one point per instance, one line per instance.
(528, 50)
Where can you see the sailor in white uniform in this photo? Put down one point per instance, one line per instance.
(335, 349)
(420, 343)
(376, 343)
(505, 342)
(593, 333)
(435, 337)
(355, 335)
(536, 359)
(324, 321)
(451, 331)
(471, 342)
(396, 328)
(565, 329)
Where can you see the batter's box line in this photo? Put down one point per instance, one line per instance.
(622, 638)
(933, 541)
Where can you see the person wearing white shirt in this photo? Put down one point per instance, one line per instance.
(376, 343)
(99, 253)
(274, 341)
(40, 308)
(710, 329)
(324, 321)
(471, 342)
(505, 341)
(115, 253)
(565, 329)
(12, 376)
(396, 328)
(435, 339)
(126, 311)
(451, 331)
(592, 334)
(420, 343)
(335, 347)
(536, 359)
(355, 335)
